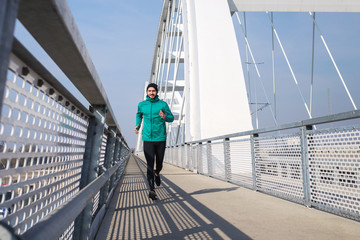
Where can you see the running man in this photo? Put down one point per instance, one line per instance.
(155, 113)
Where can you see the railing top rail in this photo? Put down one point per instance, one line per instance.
(51, 228)
(63, 43)
(20, 51)
(309, 122)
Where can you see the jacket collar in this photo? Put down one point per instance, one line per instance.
(152, 100)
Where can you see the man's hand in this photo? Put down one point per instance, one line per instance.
(137, 129)
(162, 115)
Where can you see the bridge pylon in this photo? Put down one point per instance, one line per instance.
(198, 68)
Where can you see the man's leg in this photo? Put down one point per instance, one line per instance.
(149, 151)
(159, 153)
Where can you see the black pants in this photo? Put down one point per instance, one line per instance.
(154, 151)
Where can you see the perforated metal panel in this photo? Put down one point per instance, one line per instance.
(182, 156)
(194, 156)
(68, 234)
(173, 155)
(168, 155)
(188, 156)
(167, 158)
(239, 154)
(202, 159)
(278, 166)
(178, 156)
(42, 143)
(334, 170)
(217, 160)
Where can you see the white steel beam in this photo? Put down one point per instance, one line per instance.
(294, 5)
(213, 62)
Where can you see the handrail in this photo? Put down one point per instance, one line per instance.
(309, 122)
(62, 33)
(21, 52)
(46, 129)
(314, 167)
(51, 228)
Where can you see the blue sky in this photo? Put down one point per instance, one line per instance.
(342, 35)
(120, 37)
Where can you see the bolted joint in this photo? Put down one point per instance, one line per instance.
(309, 127)
(101, 170)
(40, 82)
(25, 71)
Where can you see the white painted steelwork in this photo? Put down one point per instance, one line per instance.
(248, 48)
(194, 72)
(295, 5)
(288, 165)
(334, 63)
(196, 59)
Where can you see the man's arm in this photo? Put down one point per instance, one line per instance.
(139, 117)
(169, 117)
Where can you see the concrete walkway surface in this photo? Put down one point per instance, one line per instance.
(193, 206)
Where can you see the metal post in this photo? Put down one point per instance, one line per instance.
(109, 154)
(171, 160)
(187, 156)
(180, 155)
(90, 165)
(8, 13)
(227, 159)
(121, 146)
(200, 163)
(247, 65)
(187, 159)
(305, 165)
(273, 62)
(312, 64)
(209, 158)
(183, 156)
(114, 160)
(194, 158)
(253, 147)
(176, 155)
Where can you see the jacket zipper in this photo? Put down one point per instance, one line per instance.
(151, 120)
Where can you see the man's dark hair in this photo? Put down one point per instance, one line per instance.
(152, 85)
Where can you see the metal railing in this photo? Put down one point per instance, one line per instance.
(59, 161)
(315, 167)
(46, 135)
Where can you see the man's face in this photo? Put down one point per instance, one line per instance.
(151, 92)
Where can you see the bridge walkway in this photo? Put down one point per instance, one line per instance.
(193, 206)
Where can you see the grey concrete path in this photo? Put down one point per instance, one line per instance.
(193, 206)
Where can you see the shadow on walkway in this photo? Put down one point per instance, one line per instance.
(176, 215)
(211, 190)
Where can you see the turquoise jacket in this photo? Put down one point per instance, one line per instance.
(154, 129)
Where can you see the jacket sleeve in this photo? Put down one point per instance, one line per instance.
(169, 117)
(139, 116)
